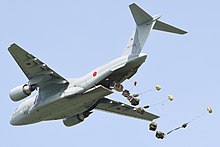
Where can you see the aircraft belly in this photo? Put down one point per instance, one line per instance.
(69, 108)
(73, 105)
(66, 109)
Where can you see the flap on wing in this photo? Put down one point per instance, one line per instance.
(98, 92)
(123, 109)
(36, 71)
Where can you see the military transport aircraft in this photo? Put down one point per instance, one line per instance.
(72, 100)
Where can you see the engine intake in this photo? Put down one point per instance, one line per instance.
(20, 92)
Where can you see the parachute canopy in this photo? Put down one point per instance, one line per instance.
(209, 109)
(158, 87)
(170, 97)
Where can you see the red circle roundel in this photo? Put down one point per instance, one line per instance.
(94, 74)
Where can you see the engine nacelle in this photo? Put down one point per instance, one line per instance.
(20, 92)
(74, 120)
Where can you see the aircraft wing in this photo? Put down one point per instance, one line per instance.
(36, 71)
(112, 106)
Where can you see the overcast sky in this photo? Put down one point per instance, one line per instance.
(74, 37)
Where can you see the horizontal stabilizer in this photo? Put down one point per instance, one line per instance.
(144, 24)
(167, 28)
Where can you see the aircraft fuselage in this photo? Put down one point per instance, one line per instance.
(73, 99)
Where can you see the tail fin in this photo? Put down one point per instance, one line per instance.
(144, 24)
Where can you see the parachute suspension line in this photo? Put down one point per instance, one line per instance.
(183, 126)
(158, 88)
(155, 104)
(145, 92)
(170, 98)
(134, 85)
(197, 117)
(161, 135)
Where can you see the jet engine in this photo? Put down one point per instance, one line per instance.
(20, 92)
(74, 120)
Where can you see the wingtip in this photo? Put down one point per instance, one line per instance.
(132, 4)
(12, 46)
(185, 32)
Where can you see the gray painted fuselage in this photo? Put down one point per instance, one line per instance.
(72, 100)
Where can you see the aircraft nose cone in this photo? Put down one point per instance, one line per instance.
(12, 122)
(18, 120)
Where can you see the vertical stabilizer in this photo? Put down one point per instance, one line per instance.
(144, 24)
